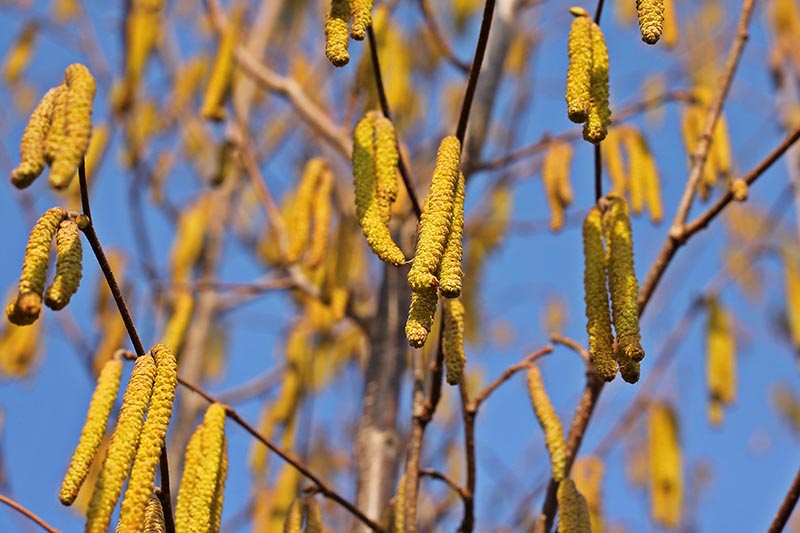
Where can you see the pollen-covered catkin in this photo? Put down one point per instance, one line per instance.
(192, 460)
(720, 360)
(622, 283)
(57, 132)
(555, 176)
(453, 340)
(208, 472)
(386, 159)
(154, 516)
(579, 72)
(68, 266)
(105, 393)
(666, 468)
(450, 274)
(596, 126)
(336, 32)
(362, 18)
(651, 19)
(321, 210)
(31, 146)
(294, 517)
(81, 89)
(437, 217)
(367, 206)
(25, 309)
(219, 493)
(573, 512)
(122, 448)
(313, 516)
(152, 438)
(299, 219)
(598, 314)
(219, 83)
(420, 316)
(551, 424)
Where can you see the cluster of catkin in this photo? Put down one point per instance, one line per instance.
(304, 516)
(309, 217)
(336, 25)
(665, 465)
(135, 446)
(202, 488)
(58, 131)
(720, 360)
(639, 180)
(587, 77)
(55, 223)
(609, 270)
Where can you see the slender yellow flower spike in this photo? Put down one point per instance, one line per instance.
(596, 126)
(587, 472)
(313, 516)
(437, 217)
(68, 266)
(362, 18)
(31, 146)
(219, 83)
(189, 238)
(105, 394)
(670, 33)
(192, 460)
(579, 80)
(791, 278)
(81, 89)
(19, 55)
(612, 157)
(453, 341)
(294, 517)
(622, 283)
(644, 181)
(666, 470)
(420, 316)
(205, 490)
(399, 507)
(573, 512)
(551, 424)
(19, 346)
(450, 273)
(721, 148)
(142, 33)
(154, 516)
(57, 133)
(321, 210)
(721, 359)
(598, 315)
(122, 448)
(299, 218)
(386, 159)
(25, 309)
(336, 33)
(367, 206)
(651, 19)
(555, 175)
(154, 431)
(219, 493)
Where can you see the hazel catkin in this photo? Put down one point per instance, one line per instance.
(31, 146)
(386, 159)
(420, 316)
(299, 218)
(666, 476)
(555, 177)
(68, 266)
(154, 516)
(720, 360)
(192, 460)
(208, 472)
(573, 512)
(579, 49)
(453, 340)
(321, 210)
(595, 128)
(362, 18)
(336, 23)
(105, 394)
(220, 80)
(450, 273)
(651, 19)
(551, 424)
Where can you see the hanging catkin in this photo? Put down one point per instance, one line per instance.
(68, 266)
(31, 146)
(573, 512)
(437, 217)
(420, 316)
(122, 448)
(555, 175)
(220, 81)
(579, 77)
(321, 210)
(191, 463)
(208, 472)
(598, 315)
(720, 360)
(57, 133)
(219, 493)
(666, 476)
(651, 19)
(19, 346)
(791, 279)
(362, 18)
(105, 393)
(154, 516)
(596, 126)
(294, 517)
(551, 424)
(299, 218)
(386, 159)
(25, 309)
(453, 341)
(450, 274)
(153, 433)
(336, 33)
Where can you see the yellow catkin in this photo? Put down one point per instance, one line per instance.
(666, 476)
(791, 279)
(555, 175)
(579, 72)
(720, 360)
(68, 265)
(573, 512)
(177, 327)
(219, 83)
(294, 517)
(587, 472)
(671, 32)
(57, 133)
(321, 210)
(81, 89)
(612, 157)
(399, 507)
(437, 217)
(313, 516)
(19, 346)
(386, 159)
(367, 206)
(205, 491)
(336, 33)
(596, 126)
(105, 394)
(122, 448)
(189, 238)
(450, 273)
(362, 18)
(192, 460)
(31, 146)
(651, 19)
(219, 493)
(644, 180)
(142, 32)
(25, 309)
(453, 341)
(721, 149)
(298, 221)
(740, 190)
(622, 284)
(154, 516)
(420, 316)
(19, 55)
(152, 438)
(598, 314)
(551, 424)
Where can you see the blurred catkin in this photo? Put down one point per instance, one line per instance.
(220, 80)
(573, 512)
(32, 143)
(720, 360)
(105, 394)
(123, 445)
(579, 80)
(666, 475)
(19, 346)
(336, 32)
(651, 19)
(791, 279)
(453, 341)
(450, 273)
(555, 175)
(294, 517)
(57, 132)
(598, 314)
(321, 210)
(68, 266)
(362, 18)
(551, 424)
(298, 221)
(19, 55)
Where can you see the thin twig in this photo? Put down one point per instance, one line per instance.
(575, 346)
(435, 474)
(507, 374)
(438, 37)
(20, 509)
(787, 506)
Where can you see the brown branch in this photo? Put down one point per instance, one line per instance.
(435, 474)
(787, 506)
(29, 514)
(253, 388)
(572, 344)
(507, 374)
(438, 37)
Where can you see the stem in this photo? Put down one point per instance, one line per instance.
(787, 506)
(598, 173)
(22, 510)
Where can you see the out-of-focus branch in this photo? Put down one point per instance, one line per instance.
(438, 37)
(26, 512)
(787, 506)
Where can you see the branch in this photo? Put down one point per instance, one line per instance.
(508, 374)
(19, 508)
(438, 37)
(435, 474)
(573, 345)
(787, 506)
